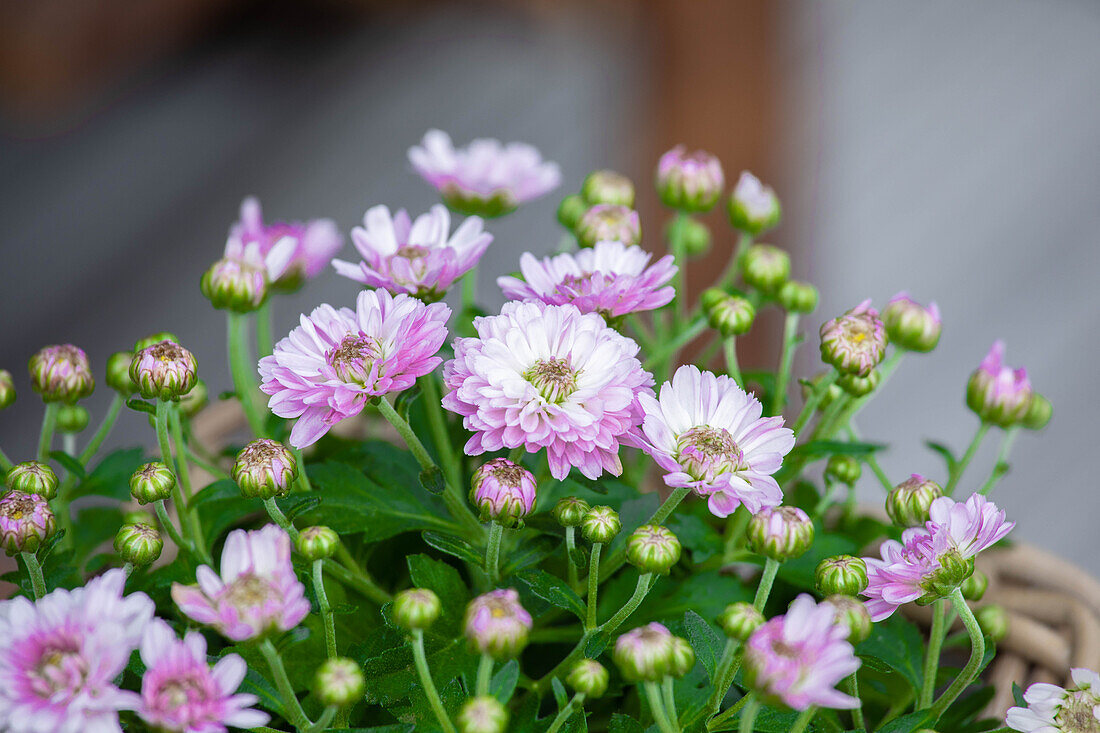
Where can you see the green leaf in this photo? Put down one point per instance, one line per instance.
(445, 581)
(948, 457)
(258, 685)
(800, 571)
(550, 589)
(296, 504)
(899, 645)
(1018, 695)
(531, 552)
(92, 527)
(906, 723)
(561, 697)
(624, 724)
(221, 506)
(69, 463)
(823, 448)
(431, 479)
(111, 477)
(697, 535)
(504, 681)
(455, 547)
(705, 640)
(141, 405)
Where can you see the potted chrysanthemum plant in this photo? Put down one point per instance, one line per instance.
(567, 527)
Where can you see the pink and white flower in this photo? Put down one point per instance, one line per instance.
(998, 393)
(327, 368)
(181, 693)
(709, 435)
(799, 658)
(421, 258)
(611, 279)
(548, 376)
(1053, 709)
(486, 177)
(932, 559)
(60, 655)
(256, 593)
(310, 245)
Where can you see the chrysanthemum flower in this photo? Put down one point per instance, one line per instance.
(1052, 709)
(314, 243)
(496, 624)
(708, 435)
(257, 592)
(421, 257)
(486, 177)
(998, 393)
(611, 279)
(60, 655)
(548, 376)
(327, 368)
(799, 658)
(180, 692)
(933, 559)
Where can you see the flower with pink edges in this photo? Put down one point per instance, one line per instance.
(931, 560)
(998, 393)
(61, 653)
(689, 181)
(611, 279)
(327, 368)
(496, 624)
(1054, 709)
(797, 659)
(181, 693)
(709, 435)
(312, 243)
(421, 257)
(486, 177)
(256, 593)
(548, 376)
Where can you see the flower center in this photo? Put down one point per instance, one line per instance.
(59, 668)
(706, 452)
(353, 359)
(784, 649)
(554, 378)
(180, 691)
(1076, 714)
(577, 282)
(857, 330)
(248, 590)
(166, 351)
(17, 505)
(508, 475)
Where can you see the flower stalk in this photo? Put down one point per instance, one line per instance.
(425, 676)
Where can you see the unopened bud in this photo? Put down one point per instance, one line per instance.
(740, 619)
(753, 207)
(589, 678)
(25, 522)
(689, 181)
(61, 374)
(857, 386)
(652, 549)
(607, 187)
(730, 315)
(854, 342)
(832, 393)
(265, 468)
(32, 477)
(601, 524)
(339, 682)
(118, 373)
(496, 624)
(910, 325)
(139, 544)
(235, 285)
(503, 492)
(997, 393)
(7, 389)
(570, 511)
(910, 500)
(841, 575)
(163, 371)
(974, 587)
(1039, 412)
(609, 223)
(682, 658)
(843, 468)
(416, 608)
(570, 210)
(72, 419)
(155, 338)
(152, 482)
(695, 236)
(782, 533)
(993, 621)
(766, 268)
(483, 714)
(644, 654)
(318, 543)
(798, 297)
(852, 614)
(953, 571)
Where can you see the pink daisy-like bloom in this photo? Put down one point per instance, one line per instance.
(548, 376)
(181, 693)
(421, 257)
(257, 591)
(799, 658)
(327, 368)
(997, 392)
(709, 435)
(313, 242)
(60, 655)
(486, 177)
(611, 279)
(913, 569)
(1053, 709)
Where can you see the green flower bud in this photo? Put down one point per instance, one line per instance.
(607, 187)
(118, 373)
(138, 516)
(993, 621)
(265, 468)
(72, 419)
(152, 482)
(7, 389)
(193, 402)
(1039, 412)
(484, 714)
(236, 285)
(753, 207)
(339, 681)
(61, 374)
(570, 210)
(953, 571)
(609, 223)
(32, 477)
(766, 268)
(589, 678)
(730, 315)
(155, 338)
(644, 654)
(910, 325)
(910, 500)
(696, 237)
(318, 543)
(416, 608)
(841, 575)
(164, 371)
(682, 658)
(139, 544)
(570, 511)
(858, 386)
(974, 587)
(652, 549)
(601, 524)
(782, 533)
(798, 297)
(740, 619)
(832, 393)
(844, 469)
(689, 181)
(852, 613)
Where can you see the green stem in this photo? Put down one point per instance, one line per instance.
(437, 422)
(668, 693)
(103, 430)
(45, 436)
(264, 342)
(726, 671)
(5, 462)
(803, 720)
(669, 348)
(185, 481)
(932, 658)
(564, 714)
(280, 519)
(786, 361)
(857, 712)
(813, 401)
(1001, 466)
(241, 367)
(325, 607)
(853, 406)
(204, 464)
(653, 697)
(726, 714)
(295, 714)
(492, 551)
(469, 290)
(677, 246)
(166, 523)
(645, 582)
(593, 585)
(748, 715)
(971, 451)
(303, 475)
(34, 570)
(771, 568)
(359, 581)
(729, 277)
(570, 547)
(325, 720)
(128, 568)
(484, 674)
(426, 682)
(516, 454)
(977, 652)
(617, 558)
(730, 349)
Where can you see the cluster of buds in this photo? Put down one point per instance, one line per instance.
(1003, 396)
(339, 682)
(729, 314)
(652, 549)
(416, 608)
(607, 187)
(690, 182)
(152, 482)
(503, 492)
(908, 503)
(600, 525)
(25, 522)
(7, 389)
(235, 284)
(163, 370)
(855, 342)
(782, 533)
(766, 268)
(650, 653)
(318, 543)
(753, 207)
(841, 575)
(740, 619)
(910, 325)
(32, 477)
(61, 374)
(497, 625)
(609, 223)
(265, 469)
(138, 543)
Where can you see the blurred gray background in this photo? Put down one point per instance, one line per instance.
(949, 149)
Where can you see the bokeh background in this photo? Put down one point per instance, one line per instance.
(950, 149)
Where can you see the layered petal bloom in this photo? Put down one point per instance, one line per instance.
(181, 693)
(486, 177)
(709, 435)
(1052, 709)
(60, 655)
(327, 368)
(312, 243)
(421, 257)
(933, 557)
(548, 376)
(999, 393)
(257, 591)
(611, 279)
(799, 658)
